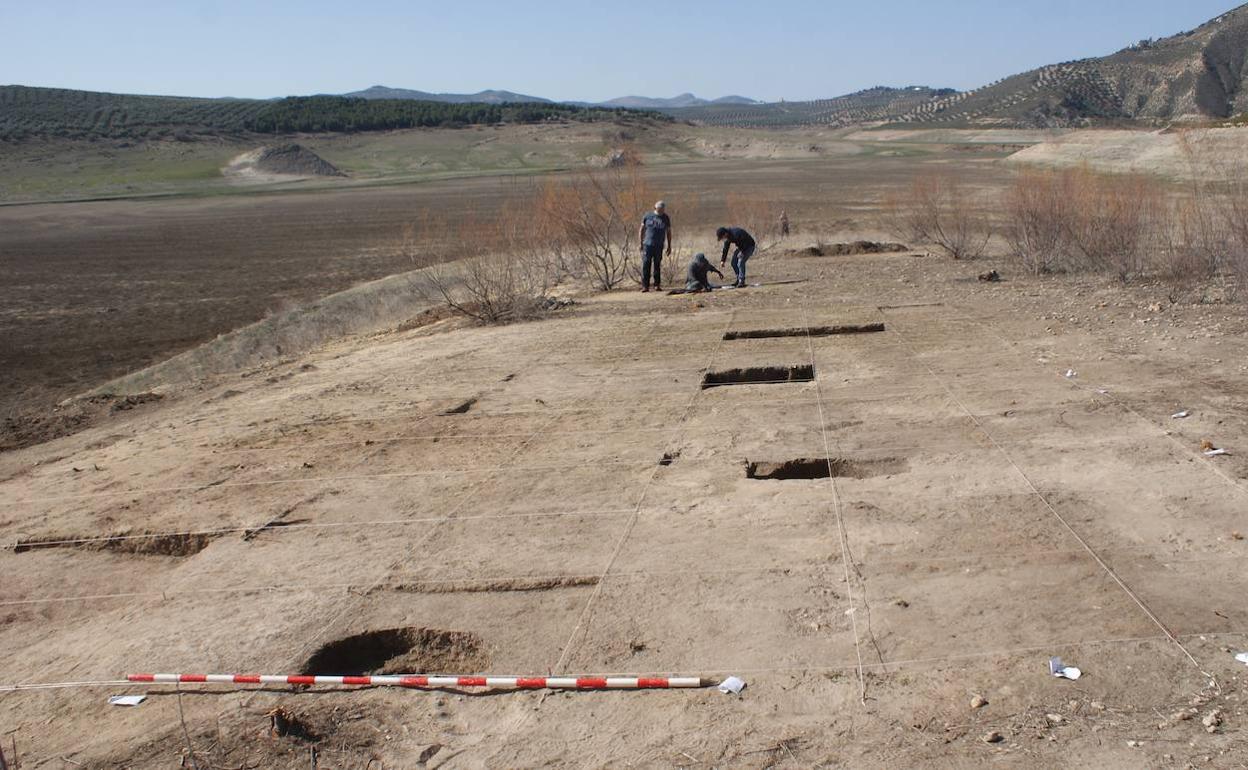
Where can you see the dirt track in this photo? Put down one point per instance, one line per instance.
(997, 513)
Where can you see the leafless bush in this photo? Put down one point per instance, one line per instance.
(1192, 241)
(759, 214)
(939, 211)
(592, 218)
(1112, 218)
(492, 288)
(1037, 216)
(1236, 219)
(426, 240)
(506, 267)
(1074, 219)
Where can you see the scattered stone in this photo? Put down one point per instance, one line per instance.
(556, 303)
(992, 737)
(992, 276)
(1055, 719)
(978, 702)
(1212, 721)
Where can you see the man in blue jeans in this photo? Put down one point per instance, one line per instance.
(744, 243)
(655, 233)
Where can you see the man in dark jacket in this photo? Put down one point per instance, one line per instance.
(698, 276)
(656, 231)
(744, 243)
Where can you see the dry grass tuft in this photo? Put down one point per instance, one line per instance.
(938, 210)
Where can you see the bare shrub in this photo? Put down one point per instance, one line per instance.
(1074, 219)
(1217, 219)
(1037, 217)
(505, 270)
(937, 210)
(492, 288)
(758, 213)
(1111, 220)
(592, 218)
(1193, 241)
(1235, 210)
(426, 240)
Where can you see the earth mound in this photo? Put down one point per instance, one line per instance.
(850, 249)
(281, 160)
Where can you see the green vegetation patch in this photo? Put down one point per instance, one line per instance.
(28, 113)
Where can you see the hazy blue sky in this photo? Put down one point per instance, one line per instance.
(563, 49)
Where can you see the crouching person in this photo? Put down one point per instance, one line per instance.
(698, 278)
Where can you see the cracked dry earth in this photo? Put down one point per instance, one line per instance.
(566, 496)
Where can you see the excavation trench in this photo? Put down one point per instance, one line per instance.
(759, 375)
(506, 585)
(407, 650)
(821, 468)
(804, 331)
(179, 544)
(462, 408)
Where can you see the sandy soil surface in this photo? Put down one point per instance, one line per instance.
(990, 512)
(96, 290)
(1218, 153)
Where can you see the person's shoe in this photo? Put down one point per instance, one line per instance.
(645, 288)
(658, 287)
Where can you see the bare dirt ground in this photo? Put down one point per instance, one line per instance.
(990, 512)
(95, 290)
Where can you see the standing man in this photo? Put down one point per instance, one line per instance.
(656, 231)
(744, 243)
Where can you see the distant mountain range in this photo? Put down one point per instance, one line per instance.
(1198, 75)
(1195, 76)
(481, 97)
(501, 97)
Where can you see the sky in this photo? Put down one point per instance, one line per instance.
(563, 49)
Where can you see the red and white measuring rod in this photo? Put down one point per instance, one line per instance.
(421, 680)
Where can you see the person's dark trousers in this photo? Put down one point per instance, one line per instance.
(652, 265)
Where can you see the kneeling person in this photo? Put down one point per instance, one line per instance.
(744, 243)
(697, 279)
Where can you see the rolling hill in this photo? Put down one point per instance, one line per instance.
(871, 105)
(1198, 75)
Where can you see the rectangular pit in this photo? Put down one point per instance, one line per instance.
(760, 375)
(804, 331)
(804, 468)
